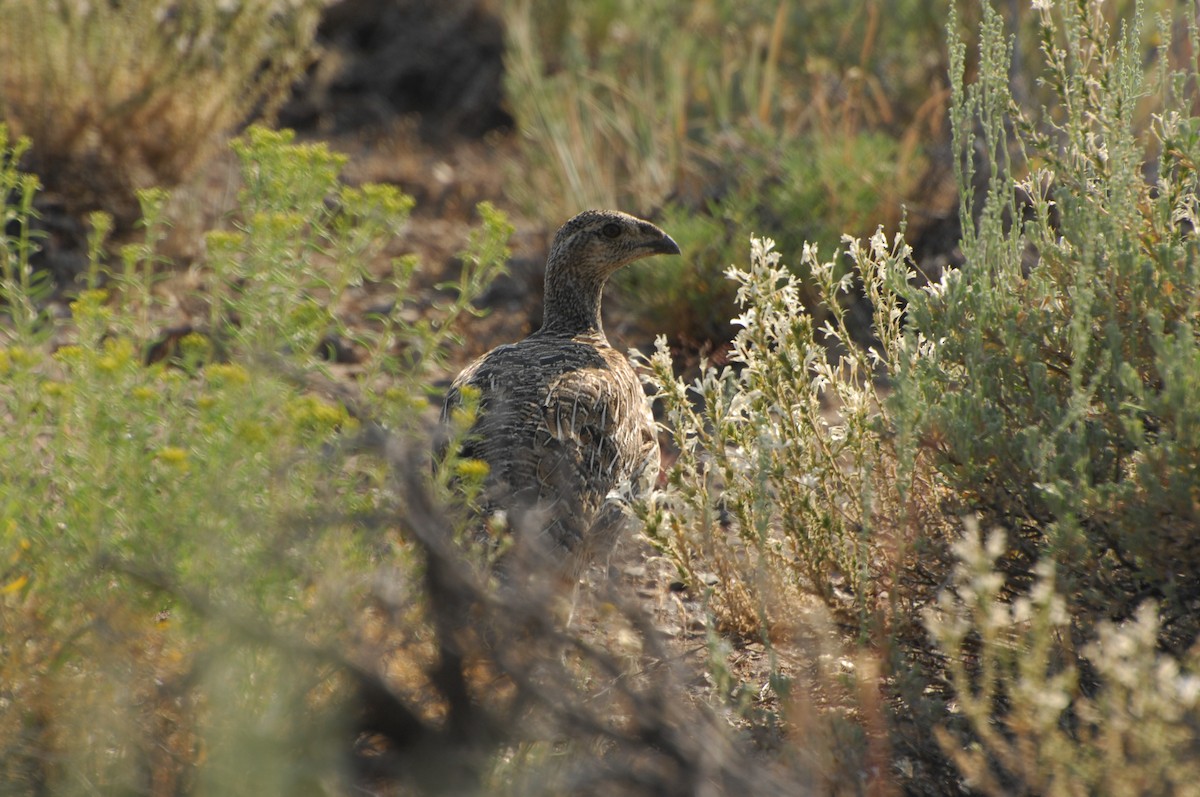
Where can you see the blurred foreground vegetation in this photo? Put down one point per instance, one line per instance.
(967, 548)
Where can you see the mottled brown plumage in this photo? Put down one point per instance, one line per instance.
(563, 423)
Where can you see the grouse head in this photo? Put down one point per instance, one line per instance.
(598, 242)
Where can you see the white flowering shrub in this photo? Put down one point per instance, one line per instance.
(788, 482)
(1118, 716)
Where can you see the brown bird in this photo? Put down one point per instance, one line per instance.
(562, 423)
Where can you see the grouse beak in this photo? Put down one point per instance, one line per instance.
(663, 246)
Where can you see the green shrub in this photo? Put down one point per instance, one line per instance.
(219, 573)
(19, 283)
(1065, 409)
(184, 546)
(118, 97)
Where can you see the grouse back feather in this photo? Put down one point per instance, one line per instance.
(563, 423)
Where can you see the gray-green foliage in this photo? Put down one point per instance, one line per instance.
(1061, 396)
(1061, 387)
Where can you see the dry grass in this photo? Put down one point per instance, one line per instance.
(628, 104)
(118, 97)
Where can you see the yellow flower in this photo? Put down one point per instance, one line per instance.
(223, 240)
(277, 224)
(118, 353)
(251, 432)
(406, 401)
(89, 302)
(312, 414)
(144, 393)
(194, 347)
(472, 469)
(69, 354)
(21, 356)
(227, 374)
(15, 585)
(463, 417)
(23, 545)
(174, 456)
(52, 389)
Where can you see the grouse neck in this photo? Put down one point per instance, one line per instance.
(572, 304)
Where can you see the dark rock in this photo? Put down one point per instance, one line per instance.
(441, 60)
(337, 349)
(59, 240)
(935, 247)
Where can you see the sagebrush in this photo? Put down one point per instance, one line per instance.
(1048, 387)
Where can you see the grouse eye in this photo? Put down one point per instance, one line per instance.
(611, 230)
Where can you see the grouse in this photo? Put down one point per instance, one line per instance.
(562, 421)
